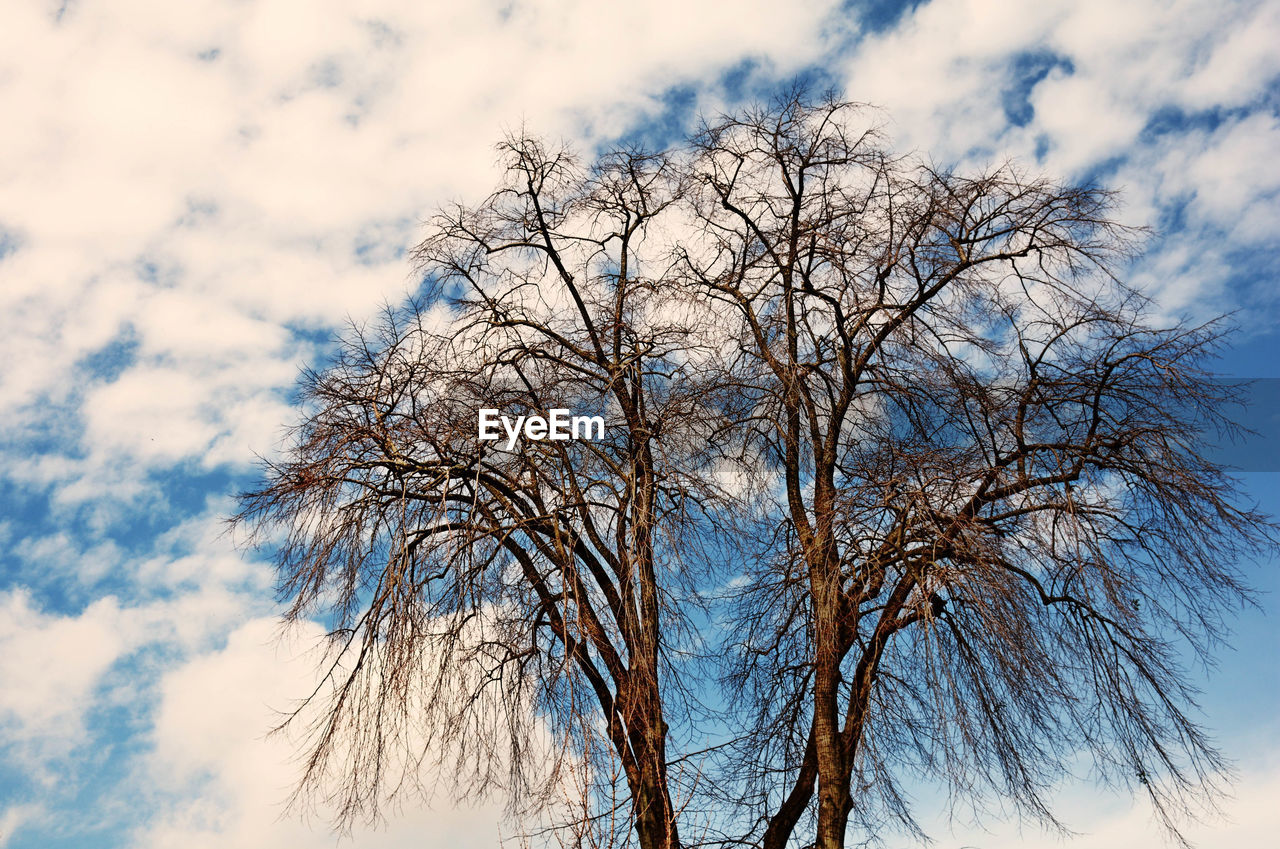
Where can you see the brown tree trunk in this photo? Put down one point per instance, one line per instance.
(655, 821)
(833, 772)
(834, 802)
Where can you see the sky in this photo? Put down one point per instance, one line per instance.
(195, 197)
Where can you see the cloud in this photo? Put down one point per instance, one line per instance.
(1165, 101)
(205, 183)
(50, 663)
(80, 676)
(1249, 818)
(13, 818)
(209, 742)
(53, 664)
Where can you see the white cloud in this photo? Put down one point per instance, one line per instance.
(59, 668)
(200, 179)
(944, 74)
(209, 739)
(1249, 818)
(50, 664)
(941, 73)
(13, 818)
(1240, 59)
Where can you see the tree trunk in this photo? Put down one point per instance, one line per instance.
(655, 821)
(834, 802)
(833, 773)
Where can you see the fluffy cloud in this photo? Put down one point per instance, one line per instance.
(50, 664)
(1168, 101)
(233, 785)
(68, 680)
(200, 182)
(1249, 818)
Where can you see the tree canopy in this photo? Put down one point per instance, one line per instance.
(900, 481)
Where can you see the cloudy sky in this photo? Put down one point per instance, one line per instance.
(194, 196)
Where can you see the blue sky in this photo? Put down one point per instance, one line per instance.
(194, 197)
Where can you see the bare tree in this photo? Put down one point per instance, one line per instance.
(483, 593)
(892, 453)
(995, 534)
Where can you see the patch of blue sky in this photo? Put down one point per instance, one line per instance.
(816, 79)
(111, 360)
(741, 81)
(54, 586)
(1173, 119)
(1237, 280)
(67, 828)
(49, 428)
(89, 801)
(200, 211)
(1238, 692)
(679, 114)
(65, 9)
(65, 554)
(1027, 70)
(1252, 272)
(1171, 216)
(36, 519)
(15, 779)
(1251, 355)
(34, 528)
(1255, 446)
(10, 242)
(876, 16)
(326, 73)
(674, 119)
(1101, 172)
(118, 726)
(66, 559)
(383, 34)
(313, 335)
(1043, 146)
